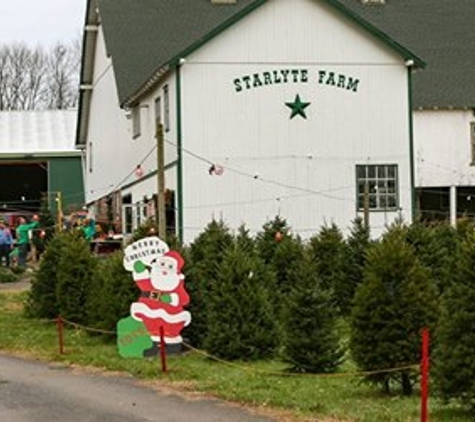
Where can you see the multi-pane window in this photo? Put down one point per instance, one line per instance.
(377, 187)
(472, 141)
(166, 105)
(136, 122)
(158, 110)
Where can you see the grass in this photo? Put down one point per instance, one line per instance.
(259, 385)
(9, 275)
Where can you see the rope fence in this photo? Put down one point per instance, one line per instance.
(422, 367)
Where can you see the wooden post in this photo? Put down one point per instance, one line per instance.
(424, 375)
(59, 324)
(59, 211)
(163, 352)
(161, 216)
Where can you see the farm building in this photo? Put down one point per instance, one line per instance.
(318, 111)
(39, 162)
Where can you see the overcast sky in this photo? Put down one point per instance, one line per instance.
(43, 22)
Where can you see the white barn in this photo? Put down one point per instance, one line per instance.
(444, 98)
(294, 108)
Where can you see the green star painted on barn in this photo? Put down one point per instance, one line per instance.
(298, 107)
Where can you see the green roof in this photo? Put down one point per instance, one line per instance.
(440, 31)
(146, 37)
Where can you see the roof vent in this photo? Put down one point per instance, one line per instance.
(373, 2)
(223, 1)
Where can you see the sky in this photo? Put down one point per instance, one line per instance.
(41, 22)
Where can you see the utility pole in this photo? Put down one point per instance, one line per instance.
(59, 211)
(161, 216)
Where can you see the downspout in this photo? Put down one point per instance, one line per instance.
(409, 65)
(179, 154)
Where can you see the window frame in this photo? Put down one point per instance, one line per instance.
(158, 110)
(136, 122)
(383, 186)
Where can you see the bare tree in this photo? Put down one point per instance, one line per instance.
(31, 78)
(61, 77)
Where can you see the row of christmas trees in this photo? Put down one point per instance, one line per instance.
(313, 304)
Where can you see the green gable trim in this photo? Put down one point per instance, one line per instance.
(175, 61)
(164, 68)
(180, 202)
(216, 31)
(391, 43)
(411, 145)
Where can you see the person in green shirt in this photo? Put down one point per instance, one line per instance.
(89, 229)
(23, 238)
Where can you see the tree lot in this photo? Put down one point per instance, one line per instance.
(312, 304)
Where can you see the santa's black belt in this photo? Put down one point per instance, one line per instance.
(152, 295)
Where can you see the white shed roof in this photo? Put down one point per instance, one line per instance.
(39, 132)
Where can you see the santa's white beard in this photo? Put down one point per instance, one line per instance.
(163, 282)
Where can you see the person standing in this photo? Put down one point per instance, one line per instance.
(6, 241)
(23, 238)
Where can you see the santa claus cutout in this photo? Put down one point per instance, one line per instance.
(158, 274)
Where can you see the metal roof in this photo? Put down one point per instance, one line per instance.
(146, 37)
(45, 132)
(439, 31)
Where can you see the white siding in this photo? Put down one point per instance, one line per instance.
(305, 167)
(115, 155)
(443, 148)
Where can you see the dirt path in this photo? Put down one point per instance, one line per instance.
(22, 284)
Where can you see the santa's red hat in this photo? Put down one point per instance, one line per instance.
(177, 257)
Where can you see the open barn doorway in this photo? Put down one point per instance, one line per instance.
(22, 186)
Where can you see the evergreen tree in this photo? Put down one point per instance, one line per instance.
(358, 243)
(111, 293)
(45, 232)
(395, 302)
(268, 239)
(241, 324)
(283, 253)
(244, 240)
(311, 340)
(454, 352)
(75, 276)
(329, 251)
(42, 300)
(203, 260)
(436, 247)
(288, 258)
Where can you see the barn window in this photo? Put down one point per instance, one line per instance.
(158, 111)
(136, 122)
(377, 187)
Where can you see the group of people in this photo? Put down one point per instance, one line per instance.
(16, 249)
